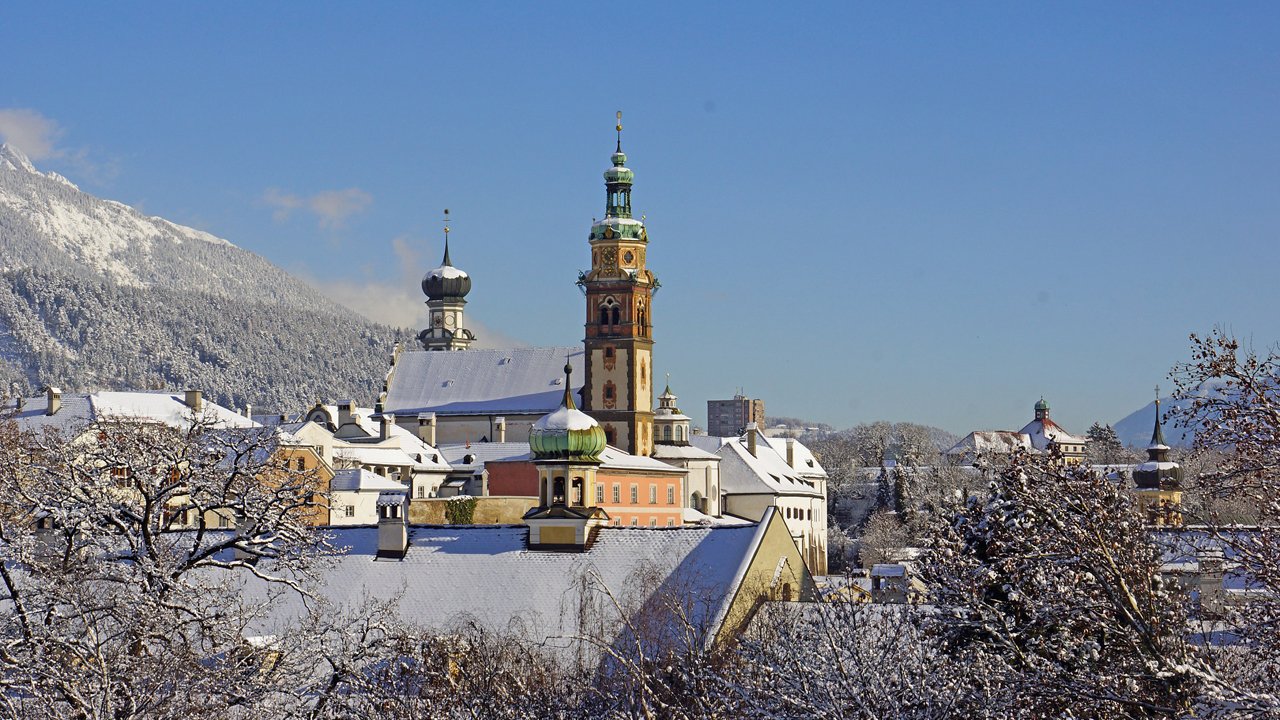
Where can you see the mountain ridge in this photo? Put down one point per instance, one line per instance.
(98, 295)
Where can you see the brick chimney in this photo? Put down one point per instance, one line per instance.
(55, 400)
(194, 400)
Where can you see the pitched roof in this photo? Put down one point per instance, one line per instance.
(982, 442)
(358, 480)
(485, 574)
(78, 410)
(482, 382)
(480, 453)
(742, 473)
(1043, 432)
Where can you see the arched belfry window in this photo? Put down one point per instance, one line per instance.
(610, 312)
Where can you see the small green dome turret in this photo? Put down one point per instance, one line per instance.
(1042, 404)
(567, 433)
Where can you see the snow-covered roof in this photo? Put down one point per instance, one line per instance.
(473, 456)
(565, 418)
(482, 382)
(689, 515)
(765, 472)
(991, 442)
(448, 272)
(485, 574)
(682, 452)
(805, 463)
(358, 480)
(1044, 432)
(617, 459)
(78, 410)
(375, 455)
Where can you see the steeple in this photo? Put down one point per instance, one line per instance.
(619, 290)
(1158, 480)
(446, 288)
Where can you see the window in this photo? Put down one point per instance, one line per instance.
(653, 522)
(635, 494)
(302, 463)
(671, 523)
(617, 493)
(599, 493)
(653, 494)
(351, 511)
(121, 476)
(422, 491)
(635, 522)
(224, 521)
(671, 495)
(609, 391)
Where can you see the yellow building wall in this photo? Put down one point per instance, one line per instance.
(777, 556)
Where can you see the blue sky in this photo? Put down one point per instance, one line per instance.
(858, 211)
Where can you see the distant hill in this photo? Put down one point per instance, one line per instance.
(1135, 429)
(97, 295)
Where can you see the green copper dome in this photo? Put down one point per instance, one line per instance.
(567, 433)
(1041, 405)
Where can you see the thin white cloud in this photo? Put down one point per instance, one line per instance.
(330, 207)
(398, 301)
(39, 138)
(32, 133)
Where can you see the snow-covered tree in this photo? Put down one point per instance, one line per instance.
(1237, 423)
(118, 575)
(1050, 585)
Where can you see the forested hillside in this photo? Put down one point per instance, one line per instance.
(96, 295)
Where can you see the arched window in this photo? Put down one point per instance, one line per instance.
(557, 491)
(666, 432)
(615, 315)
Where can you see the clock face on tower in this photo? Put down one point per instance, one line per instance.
(609, 257)
(449, 321)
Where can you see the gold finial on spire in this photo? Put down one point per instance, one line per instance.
(619, 129)
(446, 236)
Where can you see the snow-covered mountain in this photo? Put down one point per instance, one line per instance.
(97, 295)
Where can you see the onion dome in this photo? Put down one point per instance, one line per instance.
(446, 282)
(567, 433)
(1158, 472)
(619, 173)
(1042, 405)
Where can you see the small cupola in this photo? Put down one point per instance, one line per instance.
(567, 433)
(1042, 409)
(566, 445)
(446, 282)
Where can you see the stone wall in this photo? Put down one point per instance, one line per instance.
(492, 510)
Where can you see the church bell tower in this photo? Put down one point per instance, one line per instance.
(619, 332)
(446, 288)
